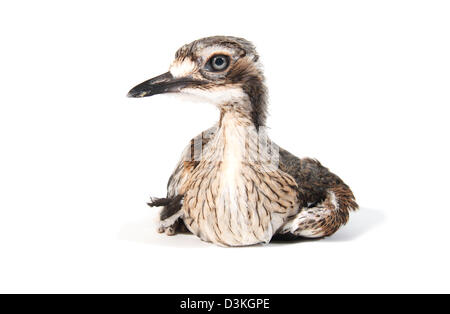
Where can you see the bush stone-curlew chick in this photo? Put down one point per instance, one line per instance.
(233, 185)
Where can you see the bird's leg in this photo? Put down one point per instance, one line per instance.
(170, 221)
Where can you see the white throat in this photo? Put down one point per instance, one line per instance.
(218, 96)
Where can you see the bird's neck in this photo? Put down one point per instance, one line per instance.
(236, 116)
(256, 92)
(237, 139)
(230, 139)
(247, 112)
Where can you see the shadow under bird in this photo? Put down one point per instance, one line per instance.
(233, 185)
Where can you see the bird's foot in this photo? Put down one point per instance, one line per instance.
(170, 231)
(177, 227)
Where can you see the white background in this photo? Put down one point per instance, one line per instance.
(361, 85)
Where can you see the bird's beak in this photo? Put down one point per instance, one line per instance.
(164, 83)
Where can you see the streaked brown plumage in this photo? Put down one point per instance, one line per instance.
(233, 186)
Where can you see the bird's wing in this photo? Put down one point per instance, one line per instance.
(313, 179)
(189, 161)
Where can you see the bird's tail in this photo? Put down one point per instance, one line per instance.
(324, 218)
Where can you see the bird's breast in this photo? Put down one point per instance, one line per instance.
(234, 200)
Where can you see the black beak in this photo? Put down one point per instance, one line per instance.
(164, 83)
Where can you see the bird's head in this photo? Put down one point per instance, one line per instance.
(222, 70)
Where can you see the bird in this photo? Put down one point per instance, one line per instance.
(234, 186)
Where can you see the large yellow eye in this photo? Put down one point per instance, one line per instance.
(219, 63)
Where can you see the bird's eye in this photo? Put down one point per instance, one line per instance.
(219, 62)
